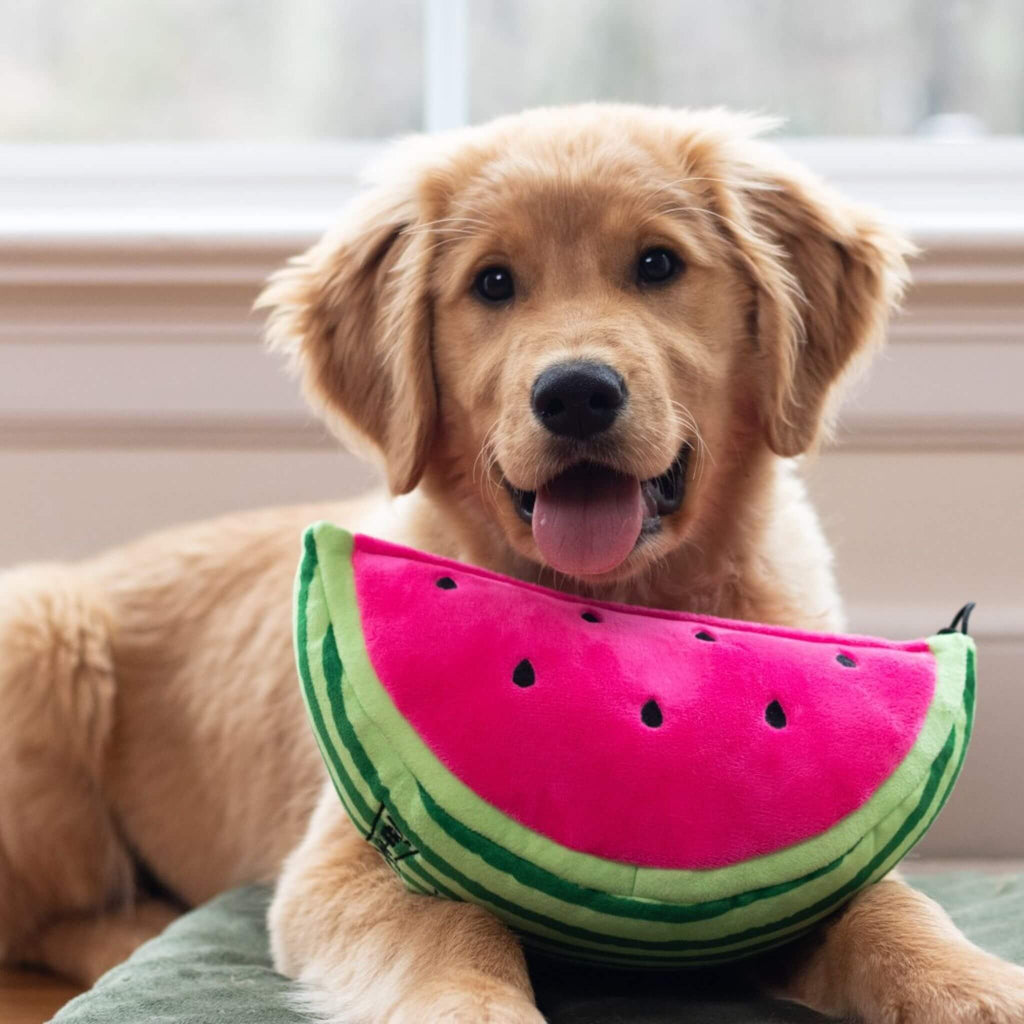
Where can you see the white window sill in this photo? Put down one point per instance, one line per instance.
(941, 192)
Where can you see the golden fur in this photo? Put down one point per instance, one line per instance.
(148, 696)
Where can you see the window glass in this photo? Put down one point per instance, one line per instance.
(126, 70)
(878, 67)
(129, 70)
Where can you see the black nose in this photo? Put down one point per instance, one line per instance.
(578, 399)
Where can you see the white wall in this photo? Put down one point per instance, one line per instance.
(917, 535)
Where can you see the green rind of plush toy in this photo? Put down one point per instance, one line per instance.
(454, 844)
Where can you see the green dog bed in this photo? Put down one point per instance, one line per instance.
(214, 965)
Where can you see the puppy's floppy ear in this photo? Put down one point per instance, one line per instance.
(353, 314)
(827, 275)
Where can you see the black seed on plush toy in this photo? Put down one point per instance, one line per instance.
(775, 716)
(845, 660)
(650, 714)
(446, 583)
(589, 617)
(703, 635)
(523, 674)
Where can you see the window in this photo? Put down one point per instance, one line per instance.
(279, 70)
(191, 70)
(874, 67)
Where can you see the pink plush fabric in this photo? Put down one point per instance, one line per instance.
(570, 755)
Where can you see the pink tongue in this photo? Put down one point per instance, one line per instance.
(587, 520)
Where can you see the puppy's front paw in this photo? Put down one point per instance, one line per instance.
(469, 999)
(979, 989)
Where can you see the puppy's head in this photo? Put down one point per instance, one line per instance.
(584, 328)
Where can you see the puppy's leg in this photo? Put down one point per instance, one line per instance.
(894, 957)
(84, 948)
(370, 951)
(60, 855)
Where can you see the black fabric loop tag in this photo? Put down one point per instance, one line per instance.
(960, 620)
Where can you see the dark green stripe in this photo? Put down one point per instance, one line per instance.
(353, 812)
(332, 664)
(409, 864)
(416, 886)
(575, 957)
(820, 908)
(306, 572)
(532, 938)
(610, 954)
(969, 697)
(576, 953)
(372, 779)
(533, 876)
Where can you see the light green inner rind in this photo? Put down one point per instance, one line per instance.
(582, 919)
(312, 621)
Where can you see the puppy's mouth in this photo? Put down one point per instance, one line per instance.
(589, 518)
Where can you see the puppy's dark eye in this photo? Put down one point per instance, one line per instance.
(656, 266)
(494, 284)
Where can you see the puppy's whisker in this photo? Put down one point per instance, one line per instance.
(483, 474)
(445, 235)
(677, 206)
(438, 244)
(485, 463)
(735, 182)
(698, 209)
(728, 221)
(690, 426)
(445, 222)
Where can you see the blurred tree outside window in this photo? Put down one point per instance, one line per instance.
(300, 70)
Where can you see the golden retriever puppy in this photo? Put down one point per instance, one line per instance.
(586, 345)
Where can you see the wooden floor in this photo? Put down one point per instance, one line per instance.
(27, 997)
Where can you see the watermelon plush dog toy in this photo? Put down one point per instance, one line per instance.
(620, 785)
